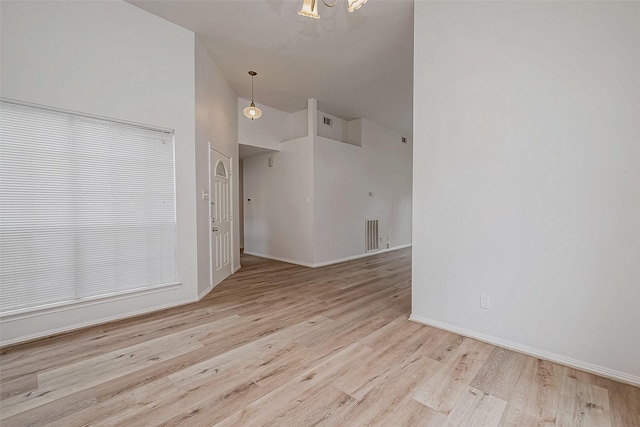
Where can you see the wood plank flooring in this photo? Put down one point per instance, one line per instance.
(283, 345)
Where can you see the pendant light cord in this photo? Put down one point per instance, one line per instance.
(252, 112)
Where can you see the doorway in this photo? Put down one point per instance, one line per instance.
(221, 218)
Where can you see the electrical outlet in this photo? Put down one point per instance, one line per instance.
(484, 301)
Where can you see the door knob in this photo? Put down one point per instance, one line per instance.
(214, 229)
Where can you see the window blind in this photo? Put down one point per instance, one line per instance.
(87, 207)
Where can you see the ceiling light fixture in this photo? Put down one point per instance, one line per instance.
(310, 7)
(252, 112)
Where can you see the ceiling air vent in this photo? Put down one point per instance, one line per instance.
(327, 121)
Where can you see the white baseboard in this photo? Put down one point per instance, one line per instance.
(205, 292)
(287, 260)
(351, 258)
(234, 269)
(325, 263)
(541, 354)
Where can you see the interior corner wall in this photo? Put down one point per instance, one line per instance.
(216, 124)
(338, 130)
(241, 198)
(266, 132)
(103, 58)
(298, 124)
(356, 183)
(527, 177)
(278, 203)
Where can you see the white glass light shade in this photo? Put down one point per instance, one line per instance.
(310, 9)
(355, 4)
(252, 112)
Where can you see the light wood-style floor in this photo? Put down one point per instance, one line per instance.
(282, 345)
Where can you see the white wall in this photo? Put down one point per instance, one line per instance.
(266, 132)
(338, 129)
(241, 198)
(337, 178)
(298, 124)
(527, 176)
(216, 126)
(344, 175)
(279, 218)
(115, 60)
(354, 132)
(272, 128)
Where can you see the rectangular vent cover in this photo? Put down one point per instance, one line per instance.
(371, 237)
(327, 120)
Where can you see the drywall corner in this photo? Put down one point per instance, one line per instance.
(354, 132)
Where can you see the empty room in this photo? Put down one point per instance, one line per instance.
(304, 213)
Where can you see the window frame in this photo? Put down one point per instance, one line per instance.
(119, 294)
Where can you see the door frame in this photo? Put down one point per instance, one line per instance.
(211, 242)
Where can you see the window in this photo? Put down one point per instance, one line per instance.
(221, 170)
(87, 207)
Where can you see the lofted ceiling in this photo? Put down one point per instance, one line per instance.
(356, 64)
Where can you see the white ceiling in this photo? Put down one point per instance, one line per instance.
(356, 64)
(245, 151)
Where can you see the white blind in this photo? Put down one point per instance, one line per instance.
(87, 207)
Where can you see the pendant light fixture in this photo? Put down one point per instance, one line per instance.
(310, 7)
(252, 112)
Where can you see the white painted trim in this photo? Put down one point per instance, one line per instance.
(351, 258)
(67, 306)
(211, 286)
(211, 243)
(205, 292)
(312, 117)
(103, 320)
(325, 263)
(236, 268)
(541, 354)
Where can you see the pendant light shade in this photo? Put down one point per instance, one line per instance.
(252, 112)
(309, 9)
(355, 4)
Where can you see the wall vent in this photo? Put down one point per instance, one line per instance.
(371, 235)
(327, 121)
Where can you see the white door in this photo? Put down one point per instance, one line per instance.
(221, 259)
